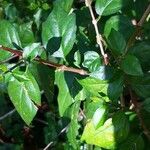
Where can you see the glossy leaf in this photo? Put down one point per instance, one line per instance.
(91, 60)
(59, 25)
(108, 7)
(99, 116)
(64, 98)
(131, 66)
(116, 42)
(21, 99)
(103, 73)
(9, 35)
(32, 50)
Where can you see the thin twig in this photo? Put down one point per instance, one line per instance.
(48, 63)
(51, 142)
(98, 35)
(7, 114)
(138, 29)
(138, 112)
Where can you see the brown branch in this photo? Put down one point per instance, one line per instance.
(138, 112)
(98, 35)
(138, 29)
(47, 63)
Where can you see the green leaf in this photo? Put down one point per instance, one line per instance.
(99, 116)
(58, 25)
(115, 87)
(141, 85)
(119, 23)
(26, 34)
(94, 86)
(91, 60)
(116, 42)
(142, 52)
(32, 50)
(45, 78)
(64, 97)
(8, 36)
(65, 4)
(33, 88)
(131, 65)
(74, 126)
(134, 141)
(103, 73)
(114, 131)
(20, 97)
(146, 105)
(108, 7)
(77, 58)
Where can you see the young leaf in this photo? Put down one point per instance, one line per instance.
(114, 131)
(20, 98)
(94, 86)
(108, 7)
(131, 65)
(99, 116)
(116, 42)
(8, 36)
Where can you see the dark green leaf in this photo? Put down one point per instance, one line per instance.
(146, 105)
(142, 52)
(65, 4)
(108, 7)
(131, 65)
(115, 87)
(134, 141)
(141, 85)
(8, 36)
(116, 42)
(119, 23)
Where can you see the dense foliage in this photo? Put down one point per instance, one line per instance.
(70, 81)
